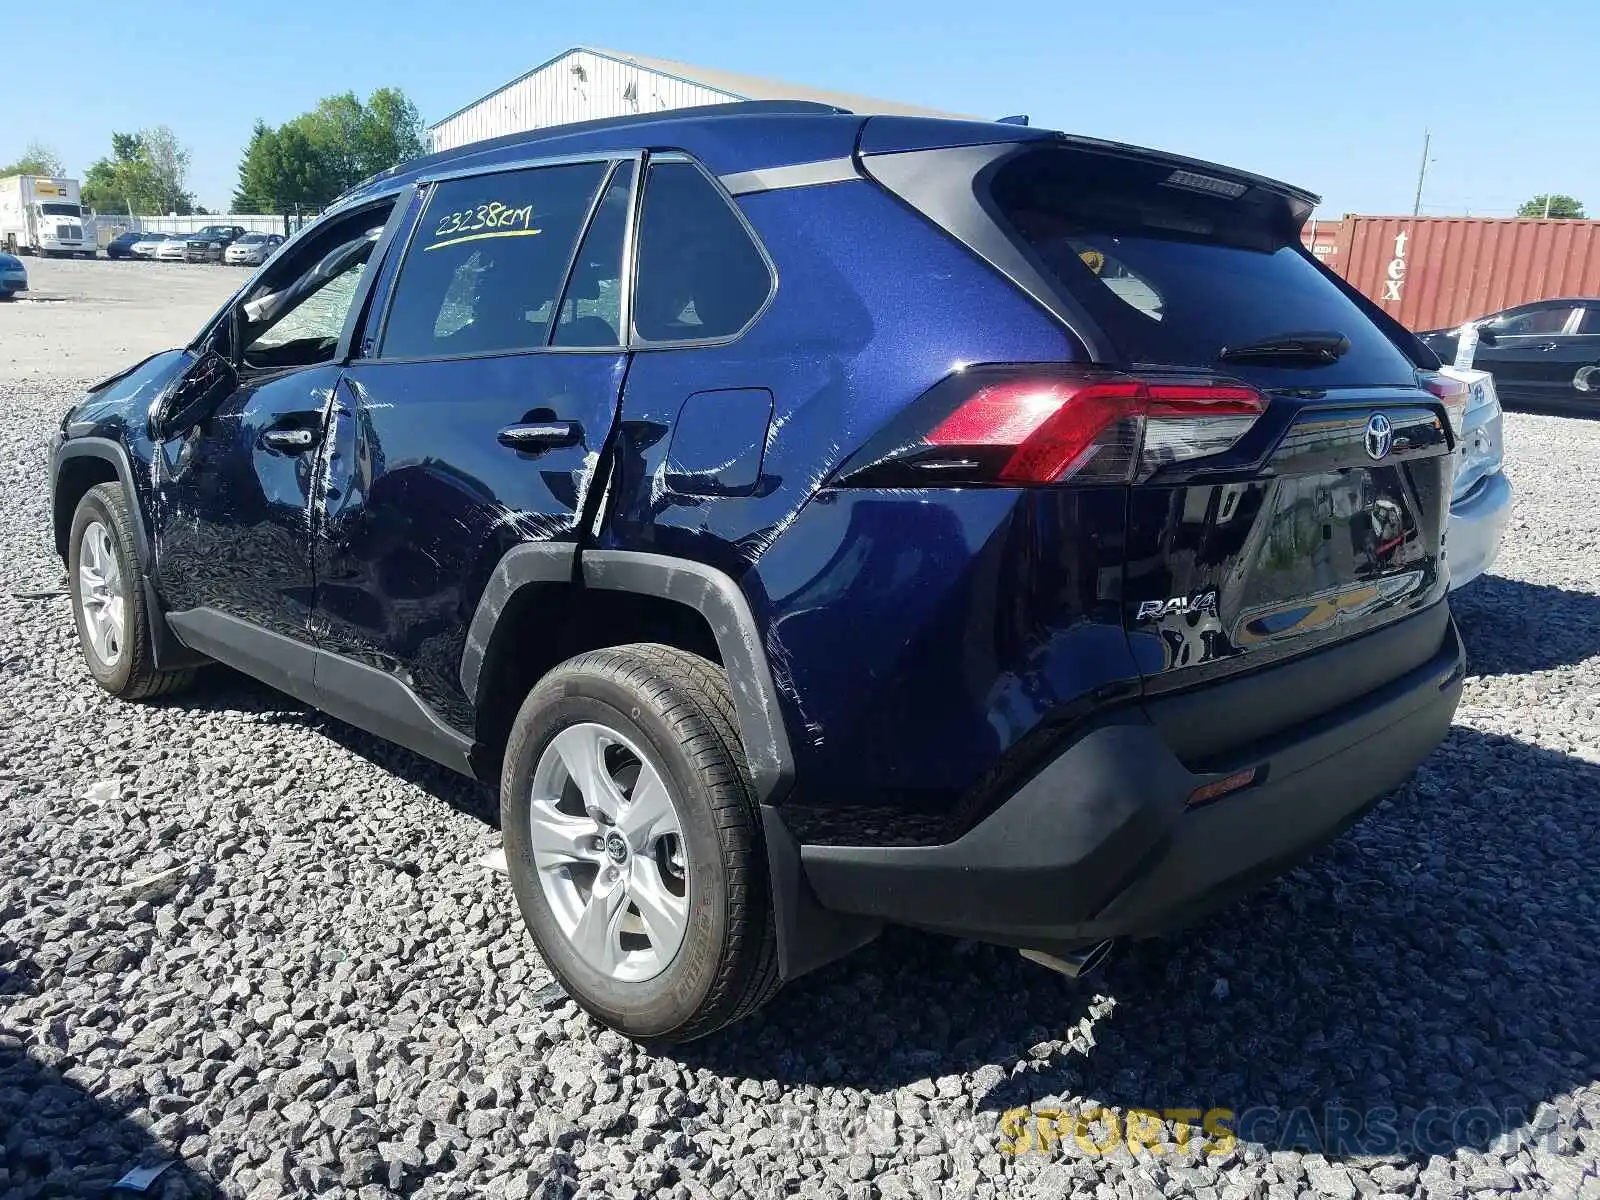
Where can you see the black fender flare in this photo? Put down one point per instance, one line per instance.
(108, 451)
(520, 566)
(719, 600)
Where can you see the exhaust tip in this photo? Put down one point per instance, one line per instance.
(1074, 964)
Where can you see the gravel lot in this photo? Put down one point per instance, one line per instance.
(243, 936)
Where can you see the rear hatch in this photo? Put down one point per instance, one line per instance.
(1287, 465)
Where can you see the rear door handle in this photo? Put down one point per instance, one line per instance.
(1550, 346)
(289, 441)
(540, 435)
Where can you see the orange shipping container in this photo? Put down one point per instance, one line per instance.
(1435, 272)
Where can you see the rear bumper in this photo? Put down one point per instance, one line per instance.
(1101, 842)
(1477, 524)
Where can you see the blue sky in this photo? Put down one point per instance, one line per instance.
(1334, 97)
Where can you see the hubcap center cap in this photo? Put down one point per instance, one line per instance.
(616, 847)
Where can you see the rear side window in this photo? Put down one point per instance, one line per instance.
(1174, 275)
(487, 261)
(591, 308)
(699, 273)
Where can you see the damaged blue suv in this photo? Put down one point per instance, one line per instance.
(810, 521)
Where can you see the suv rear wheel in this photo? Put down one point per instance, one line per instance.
(108, 599)
(633, 842)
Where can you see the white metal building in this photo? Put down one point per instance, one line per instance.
(586, 83)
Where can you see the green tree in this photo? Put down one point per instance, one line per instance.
(308, 161)
(145, 173)
(1563, 207)
(282, 171)
(37, 159)
(169, 169)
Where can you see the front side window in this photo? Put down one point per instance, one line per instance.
(297, 314)
(699, 273)
(485, 267)
(1536, 320)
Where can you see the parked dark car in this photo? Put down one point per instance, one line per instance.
(826, 522)
(209, 244)
(1544, 355)
(122, 245)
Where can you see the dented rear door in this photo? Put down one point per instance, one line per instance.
(475, 421)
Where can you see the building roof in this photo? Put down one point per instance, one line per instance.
(739, 87)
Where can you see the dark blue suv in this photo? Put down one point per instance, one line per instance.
(811, 521)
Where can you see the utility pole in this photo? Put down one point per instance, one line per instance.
(1547, 206)
(1422, 173)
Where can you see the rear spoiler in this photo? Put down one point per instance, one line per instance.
(893, 135)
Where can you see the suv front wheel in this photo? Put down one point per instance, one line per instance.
(634, 842)
(108, 599)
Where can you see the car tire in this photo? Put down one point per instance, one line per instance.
(611, 716)
(106, 584)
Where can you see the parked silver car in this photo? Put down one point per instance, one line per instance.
(252, 249)
(147, 246)
(1480, 505)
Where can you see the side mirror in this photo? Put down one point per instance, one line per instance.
(209, 381)
(1486, 336)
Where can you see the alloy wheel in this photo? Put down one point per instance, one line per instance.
(102, 593)
(608, 846)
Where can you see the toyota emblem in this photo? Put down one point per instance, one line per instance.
(1380, 436)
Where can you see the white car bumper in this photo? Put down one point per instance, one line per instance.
(1477, 523)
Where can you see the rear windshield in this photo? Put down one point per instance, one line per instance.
(1174, 275)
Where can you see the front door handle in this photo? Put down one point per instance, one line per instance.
(289, 441)
(1549, 346)
(540, 435)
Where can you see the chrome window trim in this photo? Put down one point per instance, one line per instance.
(523, 164)
(794, 175)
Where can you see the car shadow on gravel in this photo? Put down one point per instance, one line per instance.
(1426, 963)
(221, 689)
(1511, 627)
(58, 1139)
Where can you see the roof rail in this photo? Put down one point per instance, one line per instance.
(735, 108)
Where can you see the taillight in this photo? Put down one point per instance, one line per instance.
(1027, 425)
(1454, 394)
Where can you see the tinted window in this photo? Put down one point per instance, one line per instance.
(1535, 320)
(1591, 320)
(700, 275)
(1173, 276)
(487, 262)
(591, 308)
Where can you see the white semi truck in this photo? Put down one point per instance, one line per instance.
(44, 217)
